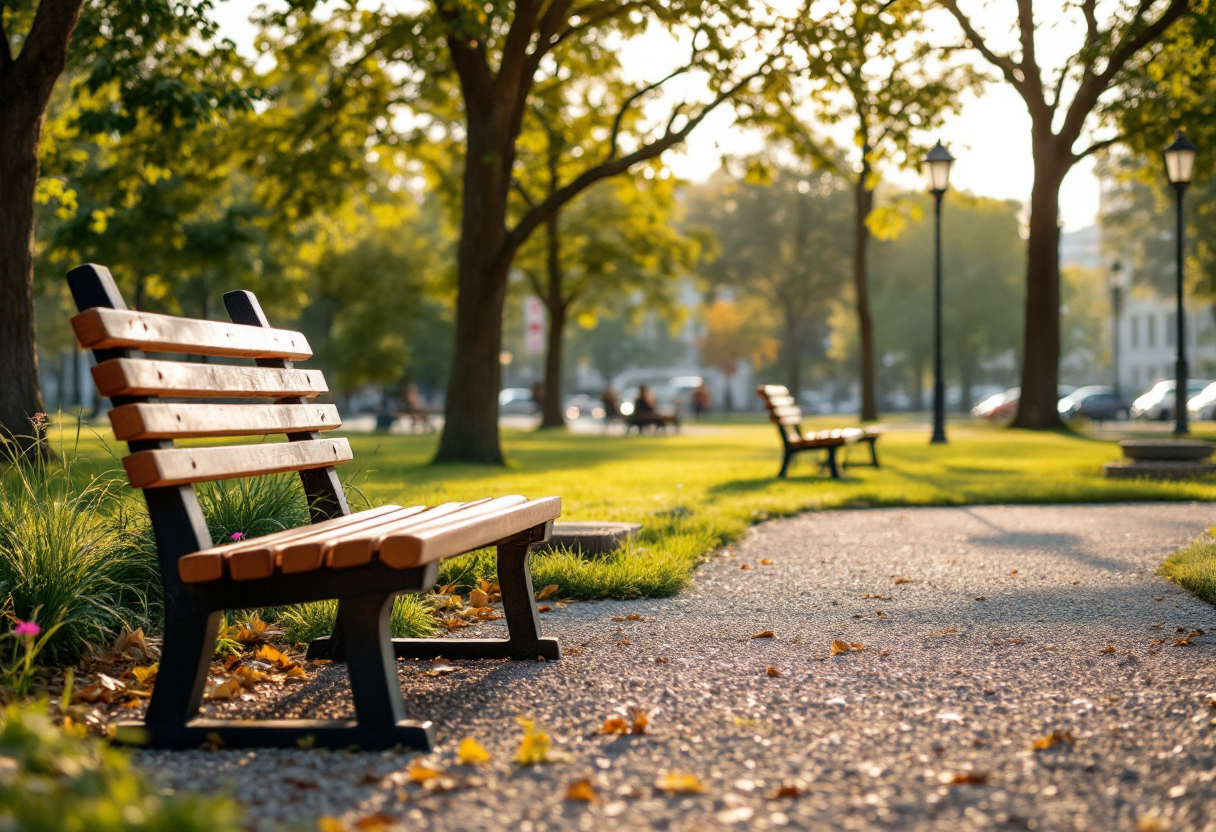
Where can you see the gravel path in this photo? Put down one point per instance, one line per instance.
(997, 637)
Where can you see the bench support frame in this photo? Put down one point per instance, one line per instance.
(365, 597)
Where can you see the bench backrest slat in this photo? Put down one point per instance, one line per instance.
(144, 377)
(177, 466)
(184, 421)
(783, 411)
(100, 328)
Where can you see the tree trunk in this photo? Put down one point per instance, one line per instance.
(793, 354)
(918, 384)
(21, 119)
(470, 430)
(552, 415)
(864, 202)
(1041, 344)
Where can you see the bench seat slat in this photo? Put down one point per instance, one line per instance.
(361, 548)
(100, 329)
(178, 466)
(132, 422)
(142, 377)
(444, 540)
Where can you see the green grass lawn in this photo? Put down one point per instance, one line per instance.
(697, 491)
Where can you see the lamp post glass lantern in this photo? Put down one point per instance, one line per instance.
(1179, 168)
(936, 169)
(1116, 310)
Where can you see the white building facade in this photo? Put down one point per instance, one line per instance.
(1147, 341)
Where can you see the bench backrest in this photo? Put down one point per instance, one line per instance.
(148, 415)
(783, 411)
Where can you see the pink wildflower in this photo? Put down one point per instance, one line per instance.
(26, 628)
(237, 536)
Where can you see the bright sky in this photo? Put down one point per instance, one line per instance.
(990, 137)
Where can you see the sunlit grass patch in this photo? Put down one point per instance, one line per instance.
(1194, 568)
(411, 618)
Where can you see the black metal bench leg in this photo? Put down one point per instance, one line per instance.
(833, 468)
(519, 605)
(785, 462)
(873, 452)
(379, 706)
(186, 655)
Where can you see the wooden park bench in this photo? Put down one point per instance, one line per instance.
(653, 421)
(787, 416)
(364, 559)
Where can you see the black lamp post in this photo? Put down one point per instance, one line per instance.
(1179, 167)
(936, 169)
(1116, 309)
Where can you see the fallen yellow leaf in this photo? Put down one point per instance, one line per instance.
(1052, 740)
(772, 671)
(534, 746)
(375, 823)
(225, 690)
(745, 566)
(764, 634)
(271, 656)
(420, 772)
(766, 562)
(903, 580)
(640, 721)
(1109, 648)
(582, 790)
(479, 598)
(325, 823)
(547, 591)
(615, 725)
(677, 783)
(470, 753)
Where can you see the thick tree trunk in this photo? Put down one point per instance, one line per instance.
(1041, 345)
(552, 415)
(864, 203)
(470, 430)
(21, 119)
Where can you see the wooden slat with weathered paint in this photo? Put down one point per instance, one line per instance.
(100, 328)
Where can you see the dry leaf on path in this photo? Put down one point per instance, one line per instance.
(787, 791)
(902, 580)
(964, 778)
(615, 725)
(547, 591)
(1109, 648)
(745, 566)
(379, 822)
(839, 647)
(582, 790)
(478, 598)
(470, 752)
(876, 596)
(766, 562)
(420, 772)
(678, 783)
(771, 671)
(764, 634)
(1052, 740)
(535, 747)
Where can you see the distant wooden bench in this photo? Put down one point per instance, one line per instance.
(652, 421)
(787, 416)
(364, 560)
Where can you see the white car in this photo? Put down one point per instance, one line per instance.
(1158, 403)
(1203, 406)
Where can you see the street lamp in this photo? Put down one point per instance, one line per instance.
(1116, 308)
(1179, 166)
(936, 169)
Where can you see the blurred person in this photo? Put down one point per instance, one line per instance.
(646, 404)
(612, 403)
(701, 401)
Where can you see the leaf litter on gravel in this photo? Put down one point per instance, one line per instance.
(679, 783)
(839, 647)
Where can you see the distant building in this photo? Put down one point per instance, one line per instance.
(1147, 340)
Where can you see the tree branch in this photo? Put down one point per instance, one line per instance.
(1004, 63)
(6, 52)
(1096, 147)
(616, 122)
(611, 167)
(1030, 63)
(45, 50)
(1092, 86)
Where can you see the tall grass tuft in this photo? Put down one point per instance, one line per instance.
(60, 563)
(411, 618)
(1194, 568)
(253, 507)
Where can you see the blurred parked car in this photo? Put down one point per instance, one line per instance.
(1094, 402)
(583, 406)
(1203, 406)
(1158, 403)
(1004, 406)
(516, 401)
